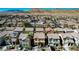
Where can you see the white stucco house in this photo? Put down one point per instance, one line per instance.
(53, 39)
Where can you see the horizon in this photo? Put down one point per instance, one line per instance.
(27, 9)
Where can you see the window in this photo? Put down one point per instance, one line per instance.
(68, 44)
(71, 44)
(35, 39)
(56, 40)
(50, 41)
(56, 44)
(35, 43)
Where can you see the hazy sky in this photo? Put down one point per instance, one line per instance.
(26, 9)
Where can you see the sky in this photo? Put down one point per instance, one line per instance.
(27, 9)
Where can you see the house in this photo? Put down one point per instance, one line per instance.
(2, 24)
(2, 28)
(9, 20)
(40, 22)
(67, 40)
(29, 29)
(71, 24)
(76, 38)
(10, 28)
(39, 29)
(14, 22)
(2, 42)
(20, 24)
(23, 36)
(24, 40)
(48, 29)
(3, 33)
(12, 35)
(59, 30)
(2, 21)
(6, 36)
(76, 30)
(67, 30)
(18, 29)
(53, 40)
(67, 37)
(9, 24)
(19, 20)
(39, 39)
(52, 25)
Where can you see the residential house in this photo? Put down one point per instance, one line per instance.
(67, 40)
(76, 38)
(53, 40)
(39, 29)
(24, 40)
(59, 30)
(29, 29)
(68, 30)
(18, 29)
(20, 24)
(39, 39)
(10, 28)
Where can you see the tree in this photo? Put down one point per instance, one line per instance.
(26, 24)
